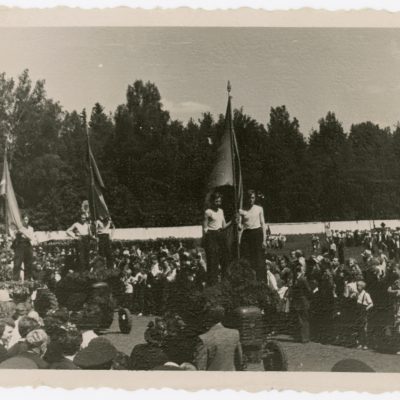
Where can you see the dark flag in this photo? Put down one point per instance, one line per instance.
(97, 204)
(227, 172)
(12, 215)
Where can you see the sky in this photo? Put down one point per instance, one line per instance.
(353, 72)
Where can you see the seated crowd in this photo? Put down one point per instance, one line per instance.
(50, 322)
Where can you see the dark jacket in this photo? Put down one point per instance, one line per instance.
(145, 357)
(41, 364)
(301, 294)
(63, 363)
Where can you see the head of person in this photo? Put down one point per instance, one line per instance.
(25, 220)
(216, 200)
(37, 341)
(21, 310)
(7, 326)
(83, 218)
(27, 324)
(98, 355)
(361, 285)
(351, 365)
(367, 254)
(155, 333)
(214, 315)
(69, 340)
(250, 198)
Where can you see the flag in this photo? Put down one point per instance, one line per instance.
(12, 215)
(227, 172)
(97, 204)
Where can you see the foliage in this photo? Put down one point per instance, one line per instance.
(156, 168)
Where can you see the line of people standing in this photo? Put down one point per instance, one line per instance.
(252, 232)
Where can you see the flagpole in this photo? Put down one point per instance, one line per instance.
(91, 189)
(234, 183)
(5, 200)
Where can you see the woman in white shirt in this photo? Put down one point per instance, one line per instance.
(214, 240)
(81, 232)
(253, 239)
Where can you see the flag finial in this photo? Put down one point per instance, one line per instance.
(229, 87)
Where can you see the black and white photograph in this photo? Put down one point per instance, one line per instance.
(200, 199)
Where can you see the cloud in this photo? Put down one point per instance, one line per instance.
(186, 108)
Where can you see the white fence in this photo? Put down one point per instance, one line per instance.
(195, 232)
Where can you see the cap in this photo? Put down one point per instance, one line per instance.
(98, 352)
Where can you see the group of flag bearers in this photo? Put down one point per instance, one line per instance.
(244, 236)
(94, 222)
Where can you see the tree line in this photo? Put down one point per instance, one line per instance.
(156, 168)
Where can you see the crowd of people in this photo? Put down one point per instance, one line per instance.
(51, 317)
(64, 330)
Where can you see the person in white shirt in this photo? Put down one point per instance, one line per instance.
(23, 251)
(254, 235)
(80, 231)
(105, 231)
(364, 304)
(214, 240)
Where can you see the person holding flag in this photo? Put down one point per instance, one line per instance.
(105, 230)
(254, 234)
(221, 238)
(214, 239)
(23, 251)
(81, 232)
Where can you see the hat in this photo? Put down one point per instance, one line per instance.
(99, 351)
(4, 295)
(126, 253)
(18, 363)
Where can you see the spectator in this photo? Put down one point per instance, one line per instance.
(36, 342)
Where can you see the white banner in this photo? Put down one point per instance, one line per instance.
(195, 232)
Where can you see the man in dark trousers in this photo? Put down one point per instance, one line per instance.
(301, 294)
(24, 239)
(214, 239)
(81, 232)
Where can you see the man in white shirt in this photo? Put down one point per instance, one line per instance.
(105, 232)
(214, 240)
(80, 231)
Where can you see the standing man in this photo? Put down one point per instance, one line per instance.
(23, 252)
(105, 231)
(214, 239)
(254, 236)
(80, 231)
(301, 295)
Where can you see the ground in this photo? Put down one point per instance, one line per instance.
(301, 357)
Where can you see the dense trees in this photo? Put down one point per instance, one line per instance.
(156, 168)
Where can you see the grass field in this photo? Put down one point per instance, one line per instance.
(303, 242)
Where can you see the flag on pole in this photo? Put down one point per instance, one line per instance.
(227, 172)
(12, 214)
(97, 204)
